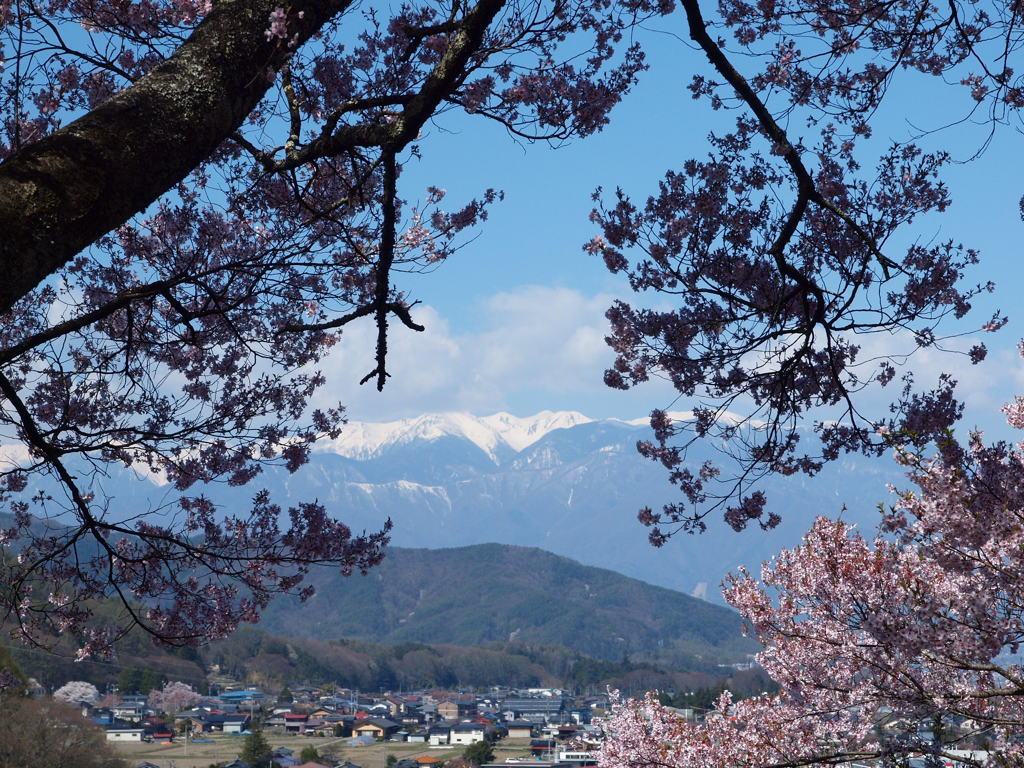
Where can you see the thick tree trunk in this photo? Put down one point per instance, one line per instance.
(63, 192)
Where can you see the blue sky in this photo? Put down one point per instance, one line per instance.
(515, 319)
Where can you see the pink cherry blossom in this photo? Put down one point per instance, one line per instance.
(77, 692)
(278, 24)
(173, 698)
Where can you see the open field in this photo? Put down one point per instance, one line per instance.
(226, 748)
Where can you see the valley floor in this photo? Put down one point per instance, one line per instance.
(226, 748)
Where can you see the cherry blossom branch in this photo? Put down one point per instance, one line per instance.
(417, 108)
(806, 188)
(187, 342)
(398, 309)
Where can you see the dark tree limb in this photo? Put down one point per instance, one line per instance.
(63, 192)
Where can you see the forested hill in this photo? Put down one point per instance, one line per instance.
(500, 593)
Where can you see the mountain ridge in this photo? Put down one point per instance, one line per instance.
(576, 492)
(491, 434)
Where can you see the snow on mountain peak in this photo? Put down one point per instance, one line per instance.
(363, 440)
(521, 433)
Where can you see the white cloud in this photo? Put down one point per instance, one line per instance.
(533, 347)
(421, 365)
(537, 347)
(14, 456)
(551, 338)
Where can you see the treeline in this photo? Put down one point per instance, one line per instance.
(146, 679)
(273, 661)
(254, 656)
(129, 673)
(742, 684)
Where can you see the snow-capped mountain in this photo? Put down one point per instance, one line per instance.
(491, 434)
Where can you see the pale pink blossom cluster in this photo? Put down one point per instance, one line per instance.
(1014, 411)
(187, 11)
(173, 698)
(278, 28)
(77, 692)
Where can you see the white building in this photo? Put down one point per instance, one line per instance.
(467, 733)
(125, 734)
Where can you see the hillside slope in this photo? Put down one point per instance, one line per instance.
(491, 593)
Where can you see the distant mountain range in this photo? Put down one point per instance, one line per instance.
(499, 436)
(560, 481)
(496, 593)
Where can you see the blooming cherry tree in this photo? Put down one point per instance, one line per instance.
(776, 256)
(173, 698)
(108, 700)
(921, 624)
(77, 692)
